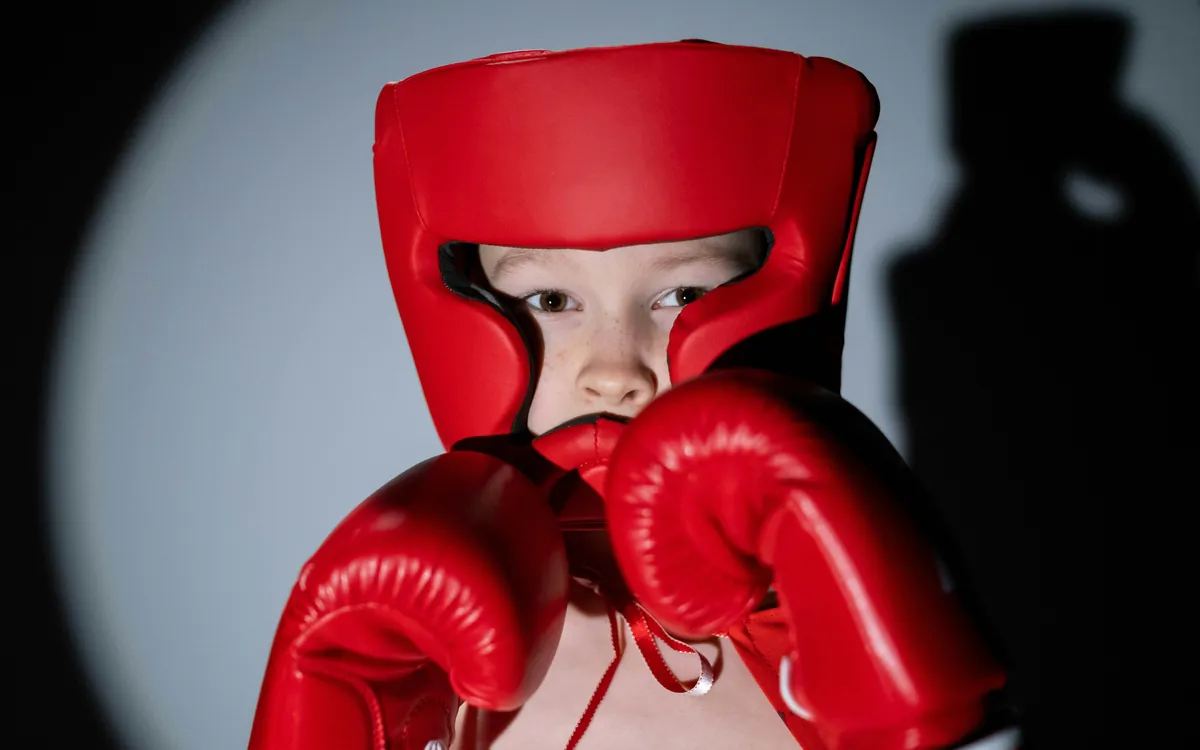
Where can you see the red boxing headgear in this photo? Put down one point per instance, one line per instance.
(605, 147)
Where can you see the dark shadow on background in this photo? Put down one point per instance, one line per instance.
(1047, 343)
(76, 88)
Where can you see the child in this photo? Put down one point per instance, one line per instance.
(622, 275)
(604, 318)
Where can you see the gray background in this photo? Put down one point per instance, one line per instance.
(232, 376)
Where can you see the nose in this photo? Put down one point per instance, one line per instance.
(618, 385)
(617, 378)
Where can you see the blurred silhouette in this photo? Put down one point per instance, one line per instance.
(1047, 368)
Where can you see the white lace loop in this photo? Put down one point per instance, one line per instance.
(785, 690)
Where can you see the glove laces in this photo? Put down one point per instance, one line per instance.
(647, 634)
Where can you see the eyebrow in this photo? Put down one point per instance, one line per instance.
(741, 259)
(519, 257)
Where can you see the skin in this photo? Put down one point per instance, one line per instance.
(605, 317)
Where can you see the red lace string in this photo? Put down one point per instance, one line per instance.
(645, 631)
(602, 687)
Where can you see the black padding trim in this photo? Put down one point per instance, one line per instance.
(805, 349)
(587, 419)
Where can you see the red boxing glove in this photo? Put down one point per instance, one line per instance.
(448, 584)
(739, 480)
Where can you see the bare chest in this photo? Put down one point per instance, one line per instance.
(636, 711)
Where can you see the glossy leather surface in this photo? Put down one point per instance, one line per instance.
(605, 147)
(449, 582)
(741, 480)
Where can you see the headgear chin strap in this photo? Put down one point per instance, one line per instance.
(605, 147)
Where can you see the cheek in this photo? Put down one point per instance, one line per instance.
(658, 359)
(555, 384)
(560, 345)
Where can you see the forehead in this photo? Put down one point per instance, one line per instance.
(734, 248)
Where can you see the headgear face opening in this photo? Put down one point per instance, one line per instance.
(613, 146)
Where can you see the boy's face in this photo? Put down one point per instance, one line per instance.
(605, 317)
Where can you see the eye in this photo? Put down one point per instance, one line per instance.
(684, 295)
(550, 301)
